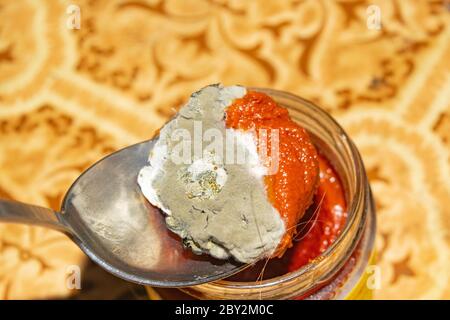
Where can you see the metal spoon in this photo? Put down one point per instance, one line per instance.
(106, 215)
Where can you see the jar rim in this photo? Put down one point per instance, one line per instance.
(355, 214)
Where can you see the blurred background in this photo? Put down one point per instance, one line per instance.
(80, 79)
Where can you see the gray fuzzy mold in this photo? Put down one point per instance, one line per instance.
(217, 206)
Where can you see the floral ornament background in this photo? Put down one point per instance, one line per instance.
(70, 96)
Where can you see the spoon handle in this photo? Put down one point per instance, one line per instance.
(18, 212)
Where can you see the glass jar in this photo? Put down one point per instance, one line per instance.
(340, 271)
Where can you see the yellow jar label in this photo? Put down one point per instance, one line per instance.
(152, 293)
(362, 291)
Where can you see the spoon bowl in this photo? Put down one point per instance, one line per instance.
(106, 215)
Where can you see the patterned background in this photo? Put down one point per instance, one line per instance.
(69, 97)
